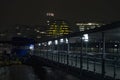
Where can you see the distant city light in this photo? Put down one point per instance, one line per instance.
(39, 44)
(56, 42)
(90, 23)
(48, 21)
(18, 33)
(43, 43)
(66, 40)
(115, 45)
(42, 32)
(38, 36)
(49, 42)
(87, 26)
(85, 37)
(31, 47)
(37, 31)
(61, 40)
(50, 14)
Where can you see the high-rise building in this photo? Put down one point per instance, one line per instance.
(50, 16)
(87, 26)
(58, 28)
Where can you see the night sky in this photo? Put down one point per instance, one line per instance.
(34, 11)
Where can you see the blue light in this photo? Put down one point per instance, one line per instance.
(31, 47)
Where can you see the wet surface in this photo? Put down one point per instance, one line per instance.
(17, 72)
(23, 72)
(53, 74)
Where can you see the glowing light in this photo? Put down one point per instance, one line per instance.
(39, 44)
(37, 31)
(85, 37)
(66, 40)
(18, 33)
(56, 42)
(115, 45)
(49, 42)
(89, 23)
(43, 43)
(31, 47)
(42, 32)
(61, 40)
(50, 14)
(48, 21)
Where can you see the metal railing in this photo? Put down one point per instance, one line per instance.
(100, 53)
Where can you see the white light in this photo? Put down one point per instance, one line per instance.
(61, 40)
(115, 45)
(31, 47)
(18, 33)
(48, 21)
(89, 23)
(42, 32)
(39, 44)
(56, 42)
(66, 40)
(49, 42)
(85, 37)
(50, 14)
(37, 31)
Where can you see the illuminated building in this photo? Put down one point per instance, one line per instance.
(49, 17)
(50, 14)
(87, 26)
(58, 28)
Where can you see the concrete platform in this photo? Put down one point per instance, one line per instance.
(17, 72)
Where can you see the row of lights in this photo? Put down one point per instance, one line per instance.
(50, 14)
(85, 38)
(36, 30)
(56, 42)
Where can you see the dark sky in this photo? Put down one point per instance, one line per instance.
(34, 11)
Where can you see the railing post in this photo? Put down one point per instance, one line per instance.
(52, 50)
(47, 50)
(68, 49)
(94, 64)
(103, 55)
(58, 55)
(87, 56)
(87, 62)
(81, 54)
(115, 61)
